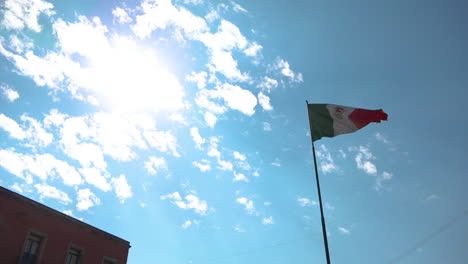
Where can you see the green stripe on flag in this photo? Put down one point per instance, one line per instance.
(321, 121)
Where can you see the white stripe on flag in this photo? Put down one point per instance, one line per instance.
(341, 122)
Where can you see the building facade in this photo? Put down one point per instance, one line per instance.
(32, 233)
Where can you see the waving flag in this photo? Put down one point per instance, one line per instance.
(329, 120)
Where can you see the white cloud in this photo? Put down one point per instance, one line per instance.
(203, 100)
(238, 8)
(116, 135)
(210, 119)
(10, 126)
(198, 77)
(220, 46)
(52, 192)
(303, 202)
(41, 165)
(72, 132)
(212, 16)
(175, 196)
(432, 197)
(244, 165)
(19, 14)
(224, 63)
(266, 126)
(267, 84)
(68, 212)
(187, 224)
(197, 138)
(239, 156)
(253, 49)
(285, 69)
(239, 229)
(67, 172)
(163, 141)
(155, 164)
(191, 202)
(327, 164)
(121, 187)
(121, 15)
(159, 14)
(178, 118)
(379, 182)
(44, 71)
(268, 220)
(36, 133)
(363, 160)
(70, 36)
(9, 93)
(213, 152)
(240, 177)
(20, 44)
(276, 163)
(343, 230)
(224, 165)
(328, 206)
(264, 101)
(382, 138)
(194, 2)
(14, 163)
(343, 154)
(248, 204)
(204, 166)
(54, 118)
(236, 98)
(86, 199)
(20, 188)
(227, 38)
(87, 154)
(96, 177)
(33, 130)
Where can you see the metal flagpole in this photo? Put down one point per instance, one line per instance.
(324, 228)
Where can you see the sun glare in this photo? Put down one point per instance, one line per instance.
(129, 78)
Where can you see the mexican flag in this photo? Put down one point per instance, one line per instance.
(329, 120)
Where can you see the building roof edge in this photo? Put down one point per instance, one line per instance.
(60, 214)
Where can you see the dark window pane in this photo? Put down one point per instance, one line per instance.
(73, 256)
(31, 249)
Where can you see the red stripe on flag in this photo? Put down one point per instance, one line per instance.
(362, 117)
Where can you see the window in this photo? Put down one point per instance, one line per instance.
(32, 248)
(108, 260)
(73, 256)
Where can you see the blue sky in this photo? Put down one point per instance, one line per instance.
(181, 126)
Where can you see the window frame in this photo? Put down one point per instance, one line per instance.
(74, 246)
(33, 232)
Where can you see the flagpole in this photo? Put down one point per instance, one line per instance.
(324, 228)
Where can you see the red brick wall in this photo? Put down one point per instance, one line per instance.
(18, 216)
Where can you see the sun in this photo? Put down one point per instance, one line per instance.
(128, 77)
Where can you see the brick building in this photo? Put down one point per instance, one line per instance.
(32, 233)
